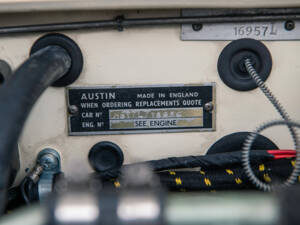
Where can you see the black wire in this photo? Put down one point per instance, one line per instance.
(219, 160)
(23, 190)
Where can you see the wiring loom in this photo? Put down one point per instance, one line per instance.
(251, 137)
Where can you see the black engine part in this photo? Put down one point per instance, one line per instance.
(73, 50)
(235, 141)
(231, 66)
(106, 158)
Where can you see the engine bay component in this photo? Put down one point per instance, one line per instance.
(73, 50)
(190, 17)
(281, 29)
(234, 142)
(251, 136)
(5, 71)
(277, 30)
(150, 114)
(231, 66)
(141, 109)
(49, 159)
(106, 158)
(292, 178)
(41, 69)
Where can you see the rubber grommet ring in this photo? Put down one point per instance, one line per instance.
(235, 142)
(71, 47)
(106, 156)
(231, 63)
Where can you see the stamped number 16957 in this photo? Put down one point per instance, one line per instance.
(255, 30)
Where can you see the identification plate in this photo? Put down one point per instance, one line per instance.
(141, 109)
(233, 31)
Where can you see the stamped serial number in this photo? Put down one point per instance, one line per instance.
(255, 30)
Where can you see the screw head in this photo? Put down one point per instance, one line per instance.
(289, 25)
(119, 20)
(209, 106)
(49, 162)
(197, 26)
(73, 109)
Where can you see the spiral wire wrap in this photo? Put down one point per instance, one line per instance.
(246, 161)
(250, 139)
(261, 84)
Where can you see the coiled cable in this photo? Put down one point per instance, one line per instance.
(261, 84)
(246, 155)
(249, 140)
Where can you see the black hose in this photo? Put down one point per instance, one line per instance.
(18, 95)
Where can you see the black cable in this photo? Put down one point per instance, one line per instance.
(14, 199)
(219, 160)
(251, 137)
(23, 190)
(17, 97)
(227, 178)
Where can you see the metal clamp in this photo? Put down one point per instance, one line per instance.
(49, 159)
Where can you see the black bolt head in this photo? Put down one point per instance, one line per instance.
(197, 26)
(289, 25)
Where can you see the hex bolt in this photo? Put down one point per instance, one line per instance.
(289, 25)
(197, 26)
(209, 106)
(73, 109)
(48, 161)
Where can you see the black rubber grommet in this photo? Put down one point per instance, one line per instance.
(106, 156)
(71, 47)
(235, 141)
(231, 63)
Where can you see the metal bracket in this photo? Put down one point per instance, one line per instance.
(50, 160)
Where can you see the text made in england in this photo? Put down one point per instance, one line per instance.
(171, 95)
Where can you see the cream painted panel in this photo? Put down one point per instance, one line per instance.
(152, 56)
(46, 5)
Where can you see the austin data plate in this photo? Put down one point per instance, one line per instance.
(141, 109)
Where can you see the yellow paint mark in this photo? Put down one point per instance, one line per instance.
(117, 184)
(172, 173)
(207, 182)
(213, 191)
(202, 172)
(293, 162)
(261, 167)
(267, 178)
(238, 180)
(178, 181)
(298, 178)
(182, 190)
(230, 172)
